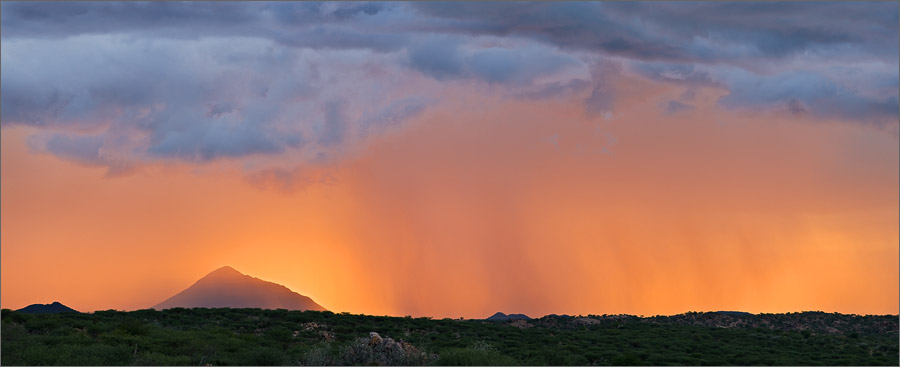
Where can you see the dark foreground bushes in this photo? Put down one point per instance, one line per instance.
(279, 337)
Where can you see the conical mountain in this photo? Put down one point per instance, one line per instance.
(226, 287)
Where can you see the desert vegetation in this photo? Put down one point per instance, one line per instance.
(279, 337)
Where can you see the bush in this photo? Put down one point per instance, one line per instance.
(262, 356)
(319, 355)
(473, 357)
(159, 359)
(133, 327)
(627, 359)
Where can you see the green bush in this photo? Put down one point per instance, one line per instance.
(159, 359)
(261, 356)
(473, 357)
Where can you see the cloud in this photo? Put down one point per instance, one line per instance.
(521, 66)
(334, 126)
(684, 32)
(190, 100)
(555, 89)
(801, 92)
(676, 73)
(735, 32)
(675, 107)
(438, 58)
(395, 113)
(198, 82)
(205, 142)
(330, 37)
(573, 25)
(49, 19)
(83, 149)
(445, 58)
(601, 100)
(864, 95)
(80, 148)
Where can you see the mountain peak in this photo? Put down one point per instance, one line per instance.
(225, 270)
(227, 287)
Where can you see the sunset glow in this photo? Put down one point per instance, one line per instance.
(455, 159)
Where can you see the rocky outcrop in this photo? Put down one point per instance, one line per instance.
(383, 351)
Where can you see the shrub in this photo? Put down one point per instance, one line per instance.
(261, 356)
(133, 327)
(626, 359)
(159, 359)
(473, 357)
(319, 355)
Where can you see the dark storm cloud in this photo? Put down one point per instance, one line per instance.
(802, 92)
(697, 44)
(676, 31)
(63, 19)
(444, 58)
(193, 19)
(578, 25)
(671, 31)
(299, 24)
(325, 37)
(195, 101)
(200, 81)
(438, 58)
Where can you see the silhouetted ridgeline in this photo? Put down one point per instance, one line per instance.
(500, 316)
(224, 336)
(54, 307)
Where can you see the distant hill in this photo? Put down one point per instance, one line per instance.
(560, 316)
(226, 287)
(734, 313)
(500, 316)
(54, 307)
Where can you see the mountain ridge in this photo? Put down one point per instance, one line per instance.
(39, 308)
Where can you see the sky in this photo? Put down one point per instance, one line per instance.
(454, 159)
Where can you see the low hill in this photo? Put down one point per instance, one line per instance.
(500, 316)
(54, 307)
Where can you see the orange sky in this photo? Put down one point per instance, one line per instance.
(486, 204)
